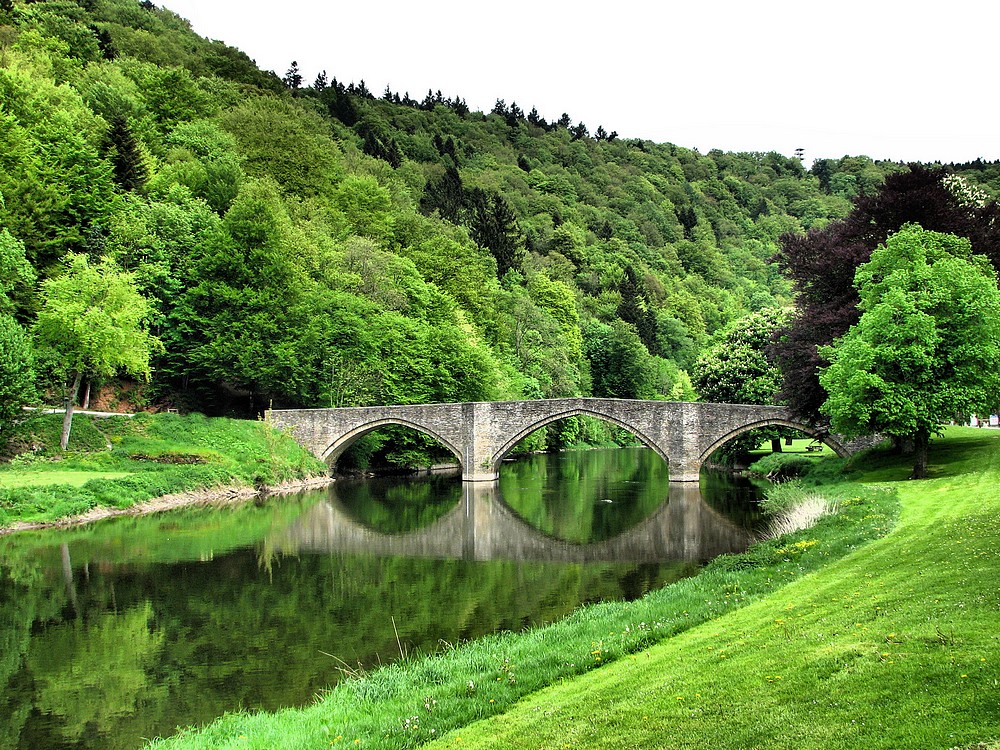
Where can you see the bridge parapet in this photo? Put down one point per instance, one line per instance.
(480, 434)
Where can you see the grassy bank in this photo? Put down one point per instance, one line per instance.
(120, 461)
(418, 701)
(894, 646)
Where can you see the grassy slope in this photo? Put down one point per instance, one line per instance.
(118, 462)
(894, 646)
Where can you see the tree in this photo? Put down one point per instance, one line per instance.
(444, 195)
(494, 226)
(620, 366)
(293, 77)
(635, 308)
(17, 381)
(16, 273)
(17, 378)
(127, 160)
(93, 318)
(822, 264)
(926, 347)
(735, 369)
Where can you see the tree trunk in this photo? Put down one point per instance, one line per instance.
(776, 445)
(71, 391)
(920, 441)
(85, 404)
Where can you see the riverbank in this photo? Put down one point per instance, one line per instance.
(218, 496)
(143, 464)
(894, 646)
(419, 700)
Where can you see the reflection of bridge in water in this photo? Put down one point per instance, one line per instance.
(482, 527)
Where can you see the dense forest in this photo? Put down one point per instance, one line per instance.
(322, 245)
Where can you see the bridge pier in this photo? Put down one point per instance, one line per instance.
(478, 444)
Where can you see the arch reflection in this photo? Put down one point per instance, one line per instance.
(482, 527)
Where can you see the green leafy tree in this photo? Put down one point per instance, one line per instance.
(17, 377)
(16, 273)
(620, 366)
(93, 318)
(927, 346)
(16, 371)
(735, 369)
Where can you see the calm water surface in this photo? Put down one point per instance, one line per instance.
(128, 628)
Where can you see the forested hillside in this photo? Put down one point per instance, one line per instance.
(318, 245)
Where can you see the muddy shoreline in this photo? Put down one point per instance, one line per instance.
(208, 496)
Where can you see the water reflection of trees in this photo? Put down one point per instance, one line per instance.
(585, 496)
(179, 608)
(393, 505)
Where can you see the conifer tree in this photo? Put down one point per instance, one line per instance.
(293, 77)
(634, 308)
(444, 195)
(128, 162)
(494, 226)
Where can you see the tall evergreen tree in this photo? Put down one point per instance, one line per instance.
(125, 152)
(634, 308)
(444, 195)
(494, 226)
(293, 77)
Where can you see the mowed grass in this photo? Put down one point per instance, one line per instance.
(68, 478)
(895, 646)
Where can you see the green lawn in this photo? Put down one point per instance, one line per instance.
(895, 646)
(40, 478)
(118, 462)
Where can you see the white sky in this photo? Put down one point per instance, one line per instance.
(887, 79)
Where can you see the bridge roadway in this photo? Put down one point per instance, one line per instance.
(480, 434)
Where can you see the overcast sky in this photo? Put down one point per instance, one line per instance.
(890, 80)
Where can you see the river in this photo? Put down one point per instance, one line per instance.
(130, 627)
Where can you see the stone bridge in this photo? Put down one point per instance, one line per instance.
(481, 434)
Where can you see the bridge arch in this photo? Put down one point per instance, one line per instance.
(344, 441)
(813, 432)
(538, 424)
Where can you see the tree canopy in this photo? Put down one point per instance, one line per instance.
(822, 264)
(292, 238)
(95, 322)
(926, 348)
